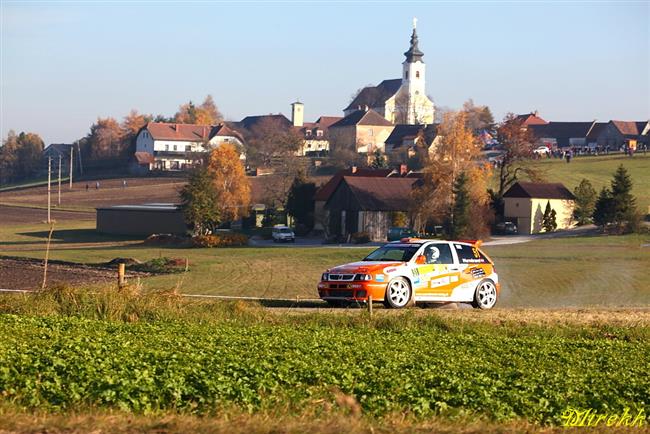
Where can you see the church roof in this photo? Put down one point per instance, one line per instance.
(375, 96)
(362, 117)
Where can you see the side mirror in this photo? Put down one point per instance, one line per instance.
(421, 259)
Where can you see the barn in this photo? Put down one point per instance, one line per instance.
(145, 219)
(362, 204)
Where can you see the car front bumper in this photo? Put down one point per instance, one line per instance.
(352, 291)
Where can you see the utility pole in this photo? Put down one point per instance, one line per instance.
(59, 201)
(71, 153)
(49, 190)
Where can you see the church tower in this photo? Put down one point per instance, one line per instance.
(414, 103)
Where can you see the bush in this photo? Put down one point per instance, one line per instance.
(220, 240)
(360, 237)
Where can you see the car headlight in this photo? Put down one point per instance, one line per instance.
(325, 276)
(363, 277)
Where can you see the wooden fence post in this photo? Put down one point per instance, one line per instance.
(120, 275)
(370, 305)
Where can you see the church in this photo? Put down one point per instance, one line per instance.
(401, 100)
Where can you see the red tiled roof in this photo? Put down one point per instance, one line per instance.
(630, 128)
(531, 119)
(143, 158)
(324, 193)
(539, 190)
(326, 121)
(189, 132)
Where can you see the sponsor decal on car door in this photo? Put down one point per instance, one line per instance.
(440, 274)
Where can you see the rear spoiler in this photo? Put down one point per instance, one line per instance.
(475, 243)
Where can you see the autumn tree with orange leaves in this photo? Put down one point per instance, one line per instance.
(205, 114)
(218, 191)
(458, 153)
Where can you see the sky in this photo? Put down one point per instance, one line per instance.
(64, 64)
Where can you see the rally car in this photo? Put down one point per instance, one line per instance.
(414, 270)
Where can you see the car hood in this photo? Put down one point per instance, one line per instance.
(363, 267)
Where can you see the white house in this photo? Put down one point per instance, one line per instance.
(176, 146)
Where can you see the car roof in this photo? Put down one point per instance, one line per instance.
(422, 241)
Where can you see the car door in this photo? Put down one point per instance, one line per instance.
(473, 266)
(440, 273)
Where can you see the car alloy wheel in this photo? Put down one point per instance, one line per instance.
(398, 293)
(486, 295)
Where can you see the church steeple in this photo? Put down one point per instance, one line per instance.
(414, 54)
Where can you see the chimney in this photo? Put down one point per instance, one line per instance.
(354, 169)
(403, 169)
(365, 108)
(175, 127)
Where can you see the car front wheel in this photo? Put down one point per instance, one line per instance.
(485, 296)
(398, 293)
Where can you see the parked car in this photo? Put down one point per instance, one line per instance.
(506, 228)
(397, 233)
(542, 151)
(283, 234)
(415, 271)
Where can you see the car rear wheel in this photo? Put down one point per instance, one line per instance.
(398, 293)
(485, 296)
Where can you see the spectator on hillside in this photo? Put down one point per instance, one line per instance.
(124, 183)
(97, 185)
(86, 186)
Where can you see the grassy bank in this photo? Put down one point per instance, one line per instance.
(599, 170)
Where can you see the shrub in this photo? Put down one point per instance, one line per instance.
(360, 238)
(228, 239)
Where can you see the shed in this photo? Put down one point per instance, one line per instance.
(145, 219)
(364, 204)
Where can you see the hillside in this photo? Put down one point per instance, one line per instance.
(599, 170)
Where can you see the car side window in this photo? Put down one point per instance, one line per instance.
(438, 254)
(470, 255)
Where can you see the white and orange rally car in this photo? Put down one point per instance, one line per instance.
(414, 270)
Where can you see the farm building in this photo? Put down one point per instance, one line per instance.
(525, 203)
(145, 220)
(364, 204)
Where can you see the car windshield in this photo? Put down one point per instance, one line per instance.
(285, 231)
(398, 252)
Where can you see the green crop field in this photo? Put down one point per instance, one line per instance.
(421, 366)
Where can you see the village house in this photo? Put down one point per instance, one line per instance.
(363, 131)
(403, 100)
(525, 203)
(405, 141)
(531, 118)
(315, 134)
(176, 146)
(562, 134)
(618, 134)
(63, 151)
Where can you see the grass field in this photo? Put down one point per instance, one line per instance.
(599, 170)
(564, 272)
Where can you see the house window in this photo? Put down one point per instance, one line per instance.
(406, 75)
(370, 132)
(166, 147)
(226, 140)
(417, 74)
(175, 148)
(308, 133)
(188, 148)
(319, 133)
